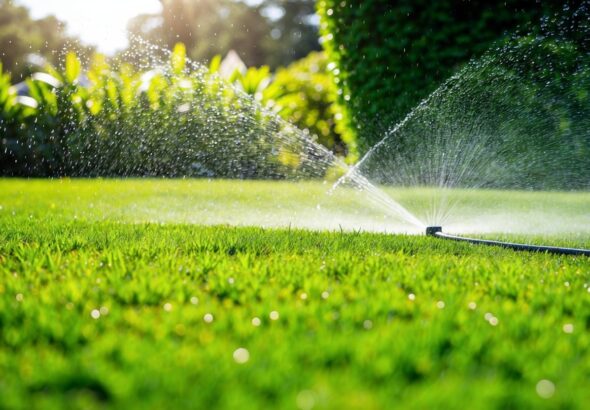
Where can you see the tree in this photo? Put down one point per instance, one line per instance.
(25, 43)
(273, 32)
(294, 33)
(207, 28)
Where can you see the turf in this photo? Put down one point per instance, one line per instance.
(99, 309)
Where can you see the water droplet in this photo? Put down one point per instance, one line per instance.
(241, 355)
(545, 388)
(305, 400)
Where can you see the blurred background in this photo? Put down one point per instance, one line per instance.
(343, 70)
(262, 32)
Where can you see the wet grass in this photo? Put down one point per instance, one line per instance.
(99, 312)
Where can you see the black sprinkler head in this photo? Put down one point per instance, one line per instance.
(433, 230)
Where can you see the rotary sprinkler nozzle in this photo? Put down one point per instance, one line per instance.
(433, 230)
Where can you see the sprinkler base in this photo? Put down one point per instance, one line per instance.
(433, 230)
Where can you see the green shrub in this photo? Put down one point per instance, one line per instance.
(24, 121)
(305, 95)
(390, 55)
(174, 120)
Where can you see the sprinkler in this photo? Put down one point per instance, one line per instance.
(436, 231)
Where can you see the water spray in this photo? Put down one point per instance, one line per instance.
(436, 231)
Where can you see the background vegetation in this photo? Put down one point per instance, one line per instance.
(268, 32)
(380, 60)
(112, 121)
(390, 56)
(27, 44)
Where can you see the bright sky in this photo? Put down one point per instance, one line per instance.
(99, 22)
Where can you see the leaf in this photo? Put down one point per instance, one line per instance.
(215, 64)
(73, 67)
(178, 58)
(112, 93)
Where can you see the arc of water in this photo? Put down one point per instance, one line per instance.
(353, 171)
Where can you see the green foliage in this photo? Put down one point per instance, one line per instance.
(178, 59)
(115, 121)
(73, 68)
(8, 103)
(253, 82)
(304, 94)
(96, 313)
(390, 56)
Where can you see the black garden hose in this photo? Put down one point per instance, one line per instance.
(437, 232)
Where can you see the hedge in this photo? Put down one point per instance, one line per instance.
(390, 55)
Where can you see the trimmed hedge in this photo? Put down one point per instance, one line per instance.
(390, 55)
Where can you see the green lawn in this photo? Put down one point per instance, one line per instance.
(117, 294)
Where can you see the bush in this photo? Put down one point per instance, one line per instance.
(390, 55)
(174, 119)
(305, 95)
